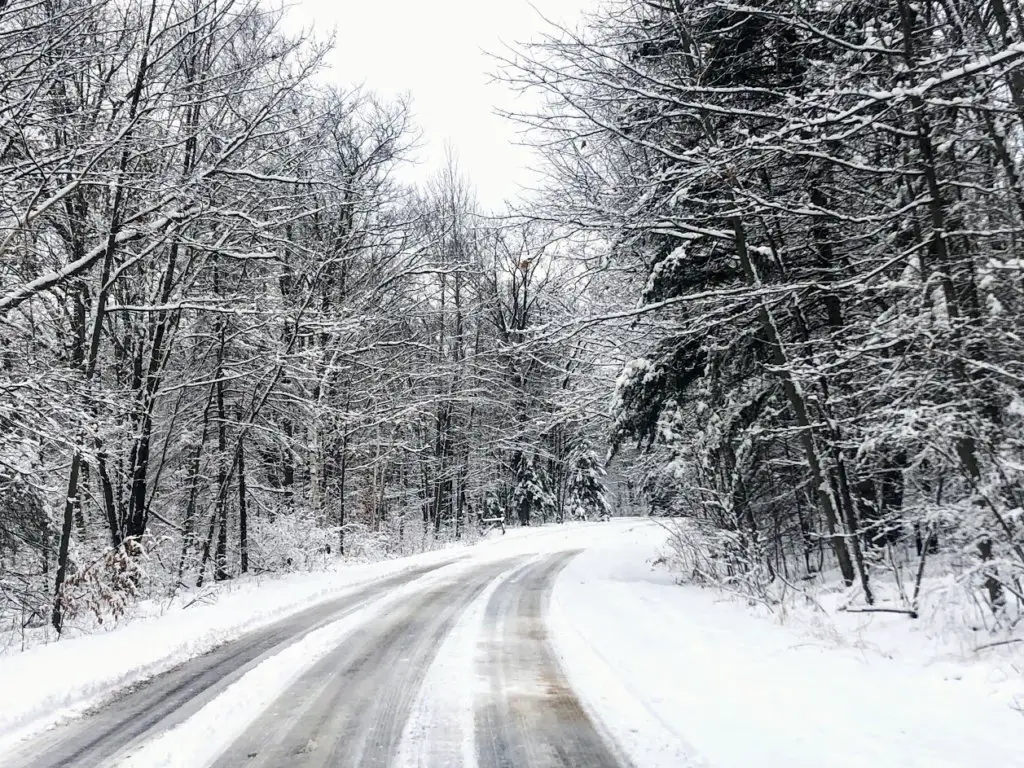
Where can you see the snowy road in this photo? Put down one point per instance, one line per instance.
(529, 715)
(171, 698)
(558, 647)
(353, 705)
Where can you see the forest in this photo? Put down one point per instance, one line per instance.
(768, 289)
(823, 204)
(232, 341)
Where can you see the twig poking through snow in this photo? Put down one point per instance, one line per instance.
(998, 643)
(908, 611)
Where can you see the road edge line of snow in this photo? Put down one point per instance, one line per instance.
(633, 729)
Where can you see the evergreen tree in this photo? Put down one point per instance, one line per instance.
(824, 202)
(587, 495)
(531, 496)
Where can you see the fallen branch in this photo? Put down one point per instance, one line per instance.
(998, 643)
(205, 597)
(907, 611)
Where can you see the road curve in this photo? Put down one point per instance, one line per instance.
(350, 708)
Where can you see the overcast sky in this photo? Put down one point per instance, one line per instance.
(434, 50)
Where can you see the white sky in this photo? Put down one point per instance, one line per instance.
(434, 50)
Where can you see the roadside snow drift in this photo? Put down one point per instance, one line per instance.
(682, 677)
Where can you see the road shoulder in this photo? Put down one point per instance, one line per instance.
(684, 676)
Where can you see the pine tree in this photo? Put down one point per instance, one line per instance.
(531, 496)
(587, 495)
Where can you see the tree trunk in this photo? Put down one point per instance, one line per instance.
(798, 407)
(243, 519)
(221, 510)
(343, 474)
(966, 303)
(57, 614)
(188, 534)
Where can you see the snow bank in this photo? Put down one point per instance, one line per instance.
(682, 677)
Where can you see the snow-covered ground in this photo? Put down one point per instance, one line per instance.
(682, 676)
(677, 676)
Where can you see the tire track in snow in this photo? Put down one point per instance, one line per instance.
(352, 706)
(529, 717)
(169, 699)
(439, 731)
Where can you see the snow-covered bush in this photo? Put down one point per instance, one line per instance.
(105, 589)
(290, 542)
